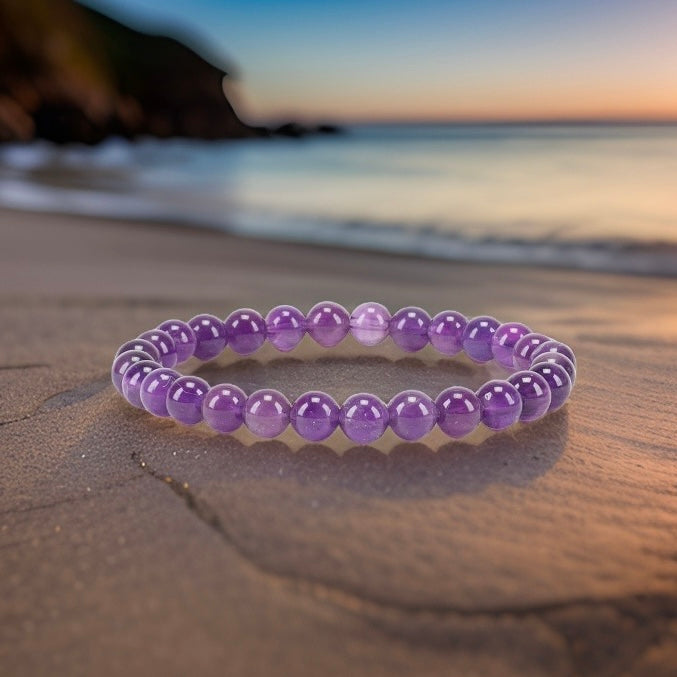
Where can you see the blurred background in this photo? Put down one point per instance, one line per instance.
(531, 132)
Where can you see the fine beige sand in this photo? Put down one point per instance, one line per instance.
(131, 546)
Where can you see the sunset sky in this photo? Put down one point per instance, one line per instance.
(433, 59)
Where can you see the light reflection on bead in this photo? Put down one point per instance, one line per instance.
(446, 332)
(458, 411)
(363, 418)
(409, 328)
(285, 327)
(500, 403)
(314, 415)
(184, 399)
(525, 348)
(477, 337)
(131, 381)
(183, 336)
(210, 336)
(534, 392)
(223, 407)
(140, 344)
(558, 381)
(504, 340)
(122, 362)
(154, 389)
(266, 413)
(164, 343)
(369, 323)
(328, 323)
(412, 414)
(246, 331)
(557, 358)
(555, 347)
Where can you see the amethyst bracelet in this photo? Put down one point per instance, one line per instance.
(542, 373)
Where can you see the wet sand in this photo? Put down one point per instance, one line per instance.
(129, 545)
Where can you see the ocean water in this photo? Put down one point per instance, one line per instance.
(601, 197)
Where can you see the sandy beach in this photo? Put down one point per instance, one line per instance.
(131, 545)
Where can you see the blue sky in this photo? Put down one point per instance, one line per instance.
(433, 59)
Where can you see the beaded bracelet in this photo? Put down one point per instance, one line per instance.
(543, 372)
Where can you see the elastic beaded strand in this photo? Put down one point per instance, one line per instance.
(541, 373)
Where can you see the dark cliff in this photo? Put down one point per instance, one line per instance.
(68, 73)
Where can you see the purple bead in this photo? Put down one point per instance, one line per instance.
(535, 394)
(555, 347)
(369, 323)
(363, 418)
(328, 323)
(223, 407)
(412, 414)
(285, 327)
(184, 338)
(557, 358)
(266, 412)
(409, 328)
(164, 343)
(477, 338)
(558, 380)
(154, 389)
(185, 397)
(504, 340)
(246, 331)
(131, 381)
(446, 331)
(525, 348)
(501, 404)
(140, 344)
(122, 362)
(210, 335)
(314, 416)
(458, 411)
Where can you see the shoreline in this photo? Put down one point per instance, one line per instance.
(641, 260)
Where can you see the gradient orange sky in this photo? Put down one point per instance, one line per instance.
(433, 59)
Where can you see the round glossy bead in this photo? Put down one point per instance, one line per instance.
(140, 344)
(210, 336)
(534, 392)
(314, 416)
(246, 331)
(501, 404)
(185, 397)
(458, 411)
(477, 337)
(266, 413)
(446, 331)
(131, 381)
(184, 338)
(409, 328)
(164, 343)
(557, 358)
(412, 414)
(369, 323)
(525, 349)
(154, 389)
(122, 362)
(285, 327)
(555, 347)
(504, 340)
(363, 418)
(223, 407)
(558, 381)
(328, 323)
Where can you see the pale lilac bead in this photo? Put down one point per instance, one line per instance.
(314, 415)
(369, 323)
(223, 407)
(534, 392)
(266, 412)
(412, 414)
(557, 358)
(501, 404)
(525, 349)
(363, 418)
(285, 327)
(164, 343)
(122, 362)
(184, 338)
(140, 344)
(446, 331)
(246, 331)
(477, 337)
(185, 397)
(558, 381)
(504, 340)
(210, 336)
(458, 411)
(154, 389)
(555, 347)
(131, 381)
(409, 328)
(328, 323)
